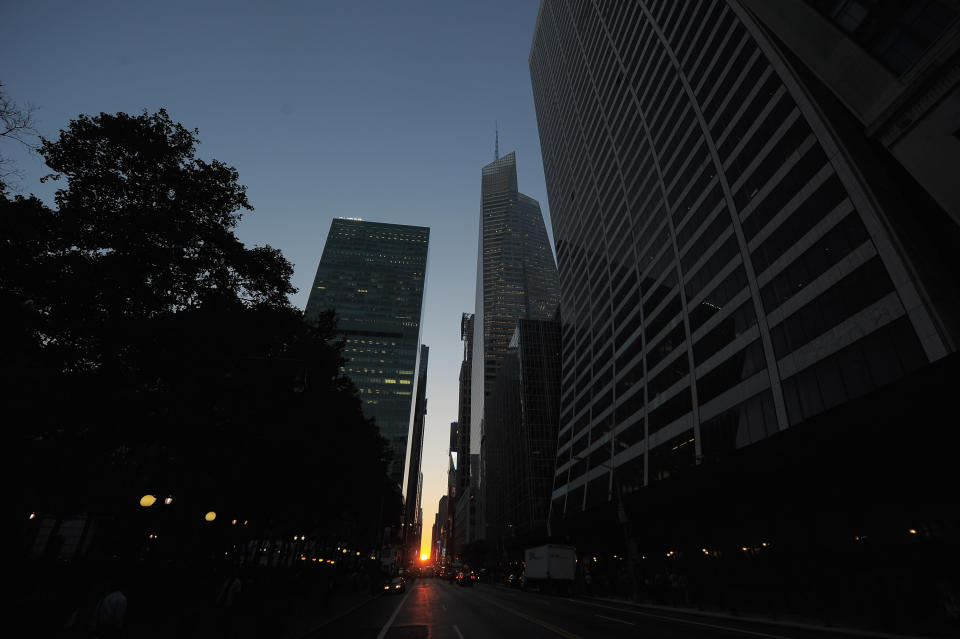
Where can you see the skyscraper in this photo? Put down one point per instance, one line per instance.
(462, 507)
(372, 275)
(521, 449)
(516, 279)
(734, 258)
(413, 515)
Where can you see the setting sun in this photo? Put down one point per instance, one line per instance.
(424, 557)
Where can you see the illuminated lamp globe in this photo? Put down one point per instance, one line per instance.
(148, 500)
(210, 516)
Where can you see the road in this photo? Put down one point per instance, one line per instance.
(436, 609)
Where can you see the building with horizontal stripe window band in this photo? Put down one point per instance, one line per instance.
(755, 206)
(371, 274)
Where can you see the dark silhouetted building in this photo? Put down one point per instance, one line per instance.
(462, 506)
(521, 451)
(372, 275)
(413, 507)
(441, 533)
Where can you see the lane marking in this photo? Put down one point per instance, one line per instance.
(544, 624)
(629, 623)
(457, 630)
(732, 629)
(383, 631)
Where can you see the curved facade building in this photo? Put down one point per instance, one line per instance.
(732, 260)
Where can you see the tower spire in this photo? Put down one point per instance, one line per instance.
(496, 143)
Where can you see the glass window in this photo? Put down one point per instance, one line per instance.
(670, 411)
(895, 32)
(672, 456)
(629, 476)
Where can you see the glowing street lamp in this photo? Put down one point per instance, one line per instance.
(210, 516)
(148, 500)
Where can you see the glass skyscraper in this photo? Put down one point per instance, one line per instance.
(521, 450)
(372, 275)
(516, 279)
(732, 261)
(516, 275)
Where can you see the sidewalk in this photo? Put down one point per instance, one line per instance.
(756, 619)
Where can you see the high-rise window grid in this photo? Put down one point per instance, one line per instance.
(669, 119)
(371, 275)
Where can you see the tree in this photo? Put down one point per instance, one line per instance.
(153, 351)
(17, 124)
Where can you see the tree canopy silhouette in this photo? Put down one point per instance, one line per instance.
(151, 351)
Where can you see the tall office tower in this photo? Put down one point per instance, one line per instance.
(516, 279)
(734, 259)
(454, 453)
(465, 402)
(460, 508)
(439, 549)
(452, 465)
(525, 407)
(413, 518)
(372, 275)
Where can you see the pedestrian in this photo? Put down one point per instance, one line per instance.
(109, 615)
(659, 586)
(228, 596)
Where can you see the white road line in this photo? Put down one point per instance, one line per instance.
(629, 623)
(732, 629)
(457, 630)
(383, 631)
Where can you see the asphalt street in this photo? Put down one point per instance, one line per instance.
(436, 609)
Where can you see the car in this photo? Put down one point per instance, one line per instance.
(515, 581)
(395, 586)
(465, 578)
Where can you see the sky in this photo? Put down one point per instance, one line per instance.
(379, 110)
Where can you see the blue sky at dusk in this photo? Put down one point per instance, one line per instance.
(379, 110)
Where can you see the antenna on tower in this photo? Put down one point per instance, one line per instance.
(496, 143)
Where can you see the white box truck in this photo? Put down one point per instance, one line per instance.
(551, 567)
